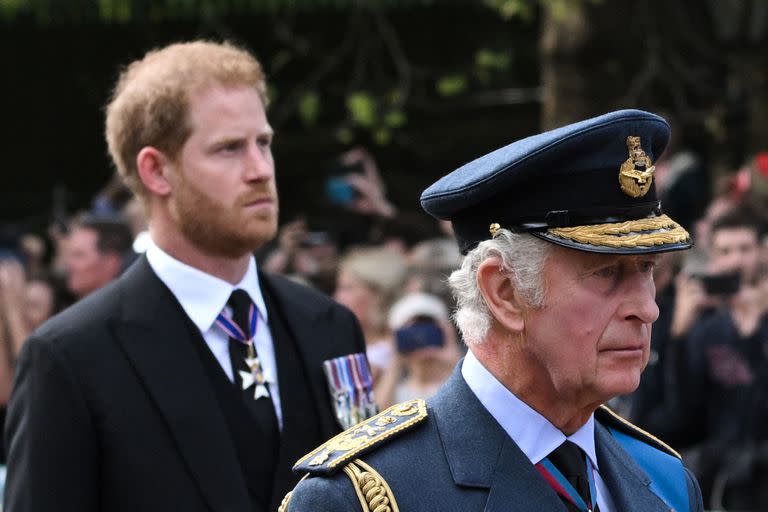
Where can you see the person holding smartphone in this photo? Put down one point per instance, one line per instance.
(725, 370)
(426, 345)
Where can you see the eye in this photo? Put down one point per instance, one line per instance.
(232, 146)
(608, 272)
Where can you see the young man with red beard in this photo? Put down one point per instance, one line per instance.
(194, 381)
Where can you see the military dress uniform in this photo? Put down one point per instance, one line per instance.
(476, 446)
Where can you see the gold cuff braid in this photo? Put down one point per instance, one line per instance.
(371, 489)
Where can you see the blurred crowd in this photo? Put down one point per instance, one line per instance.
(705, 391)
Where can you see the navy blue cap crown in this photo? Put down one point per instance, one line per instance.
(587, 185)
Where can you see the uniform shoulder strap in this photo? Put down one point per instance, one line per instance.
(364, 437)
(659, 461)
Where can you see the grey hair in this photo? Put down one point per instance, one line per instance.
(523, 257)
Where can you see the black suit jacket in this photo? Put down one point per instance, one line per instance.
(112, 411)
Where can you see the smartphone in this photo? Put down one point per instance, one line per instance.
(721, 284)
(417, 336)
(337, 189)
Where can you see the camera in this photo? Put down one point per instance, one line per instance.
(720, 284)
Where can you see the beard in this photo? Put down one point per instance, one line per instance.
(222, 230)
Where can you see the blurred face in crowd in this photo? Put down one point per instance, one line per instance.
(590, 340)
(88, 269)
(224, 199)
(356, 295)
(38, 303)
(735, 249)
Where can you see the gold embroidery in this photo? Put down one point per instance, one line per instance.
(636, 173)
(405, 409)
(364, 435)
(627, 234)
(385, 420)
(372, 490)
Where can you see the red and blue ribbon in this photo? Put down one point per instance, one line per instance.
(564, 488)
(234, 331)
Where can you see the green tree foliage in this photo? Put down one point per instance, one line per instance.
(364, 80)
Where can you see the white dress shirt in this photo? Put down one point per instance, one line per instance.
(203, 297)
(531, 431)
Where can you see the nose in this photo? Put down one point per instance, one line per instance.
(640, 300)
(259, 165)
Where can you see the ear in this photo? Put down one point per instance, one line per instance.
(154, 168)
(503, 302)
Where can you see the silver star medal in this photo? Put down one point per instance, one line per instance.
(255, 376)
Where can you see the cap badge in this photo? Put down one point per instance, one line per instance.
(494, 229)
(636, 173)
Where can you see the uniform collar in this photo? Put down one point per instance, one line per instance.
(201, 295)
(533, 433)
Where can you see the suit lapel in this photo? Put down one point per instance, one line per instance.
(154, 335)
(480, 454)
(302, 320)
(626, 481)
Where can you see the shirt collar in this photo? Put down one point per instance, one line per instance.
(531, 431)
(201, 295)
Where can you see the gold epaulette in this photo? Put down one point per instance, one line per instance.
(616, 421)
(363, 437)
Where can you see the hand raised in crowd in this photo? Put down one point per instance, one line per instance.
(12, 283)
(369, 186)
(289, 258)
(291, 236)
(690, 300)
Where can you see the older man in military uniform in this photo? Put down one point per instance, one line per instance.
(555, 301)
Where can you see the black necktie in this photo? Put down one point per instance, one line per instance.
(262, 409)
(240, 303)
(571, 462)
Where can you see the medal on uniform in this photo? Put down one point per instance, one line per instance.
(351, 386)
(255, 376)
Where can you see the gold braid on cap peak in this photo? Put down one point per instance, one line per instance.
(617, 234)
(371, 488)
